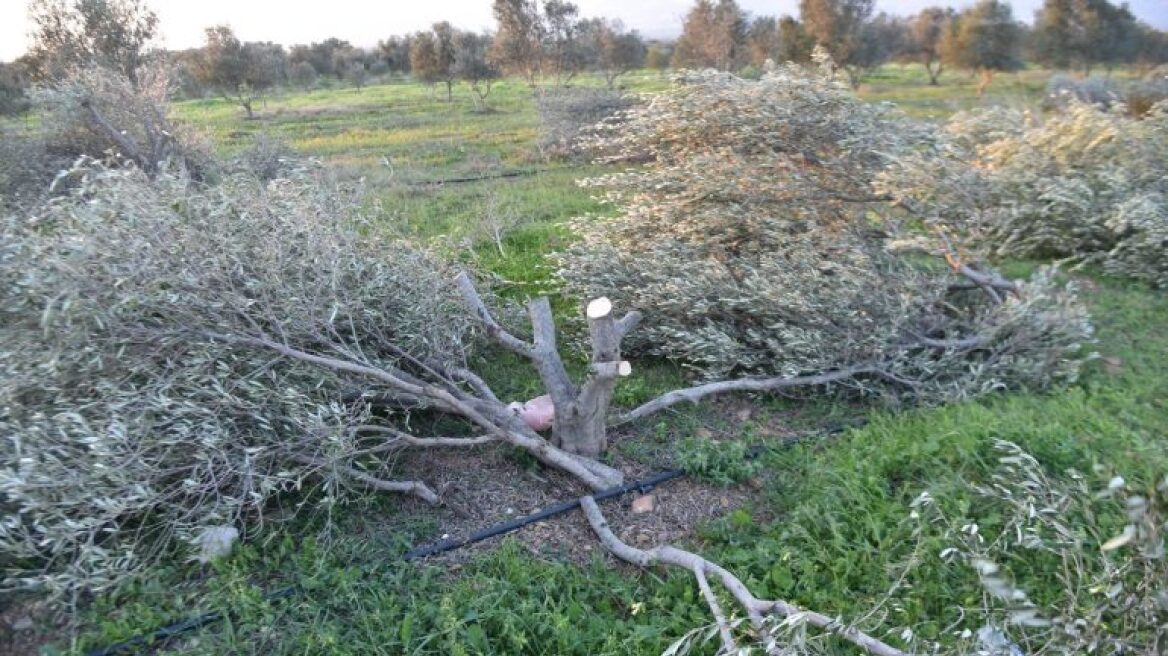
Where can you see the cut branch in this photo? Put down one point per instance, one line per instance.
(494, 417)
(416, 488)
(580, 412)
(728, 644)
(412, 440)
(123, 140)
(989, 283)
(754, 607)
(698, 392)
(985, 280)
(475, 302)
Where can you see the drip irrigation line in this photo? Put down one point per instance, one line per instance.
(642, 486)
(492, 176)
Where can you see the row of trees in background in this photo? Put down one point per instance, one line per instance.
(548, 42)
(986, 37)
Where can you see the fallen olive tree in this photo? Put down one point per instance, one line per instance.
(174, 355)
(1082, 183)
(748, 231)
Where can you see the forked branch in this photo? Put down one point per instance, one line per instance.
(416, 488)
(490, 415)
(698, 392)
(755, 608)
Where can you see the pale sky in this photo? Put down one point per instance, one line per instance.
(363, 22)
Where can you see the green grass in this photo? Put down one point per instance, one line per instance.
(830, 530)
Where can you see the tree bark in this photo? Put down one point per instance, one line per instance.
(934, 72)
(581, 424)
(985, 76)
(581, 412)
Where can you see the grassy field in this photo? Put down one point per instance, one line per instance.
(829, 525)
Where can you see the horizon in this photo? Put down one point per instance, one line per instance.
(182, 23)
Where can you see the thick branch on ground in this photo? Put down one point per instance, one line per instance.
(989, 283)
(698, 392)
(755, 608)
(123, 140)
(403, 439)
(724, 630)
(494, 417)
(987, 280)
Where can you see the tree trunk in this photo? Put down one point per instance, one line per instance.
(449, 91)
(934, 73)
(855, 76)
(581, 424)
(986, 76)
(581, 412)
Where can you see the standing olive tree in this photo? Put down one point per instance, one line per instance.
(657, 57)
(445, 56)
(117, 34)
(472, 65)
(241, 72)
(984, 38)
(763, 41)
(1084, 33)
(425, 64)
(713, 36)
(838, 26)
(611, 50)
(518, 45)
(795, 44)
(926, 30)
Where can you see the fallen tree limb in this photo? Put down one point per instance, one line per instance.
(413, 440)
(698, 392)
(494, 417)
(416, 488)
(755, 608)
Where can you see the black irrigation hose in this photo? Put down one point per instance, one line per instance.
(197, 621)
(518, 173)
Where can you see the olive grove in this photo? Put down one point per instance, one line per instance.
(176, 351)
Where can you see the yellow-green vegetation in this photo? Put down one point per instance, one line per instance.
(907, 85)
(833, 527)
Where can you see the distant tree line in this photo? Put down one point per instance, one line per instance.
(548, 42)
(986, 37)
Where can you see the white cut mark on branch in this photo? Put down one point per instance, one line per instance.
(621, 369)
(755, 608)
(598, 307)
